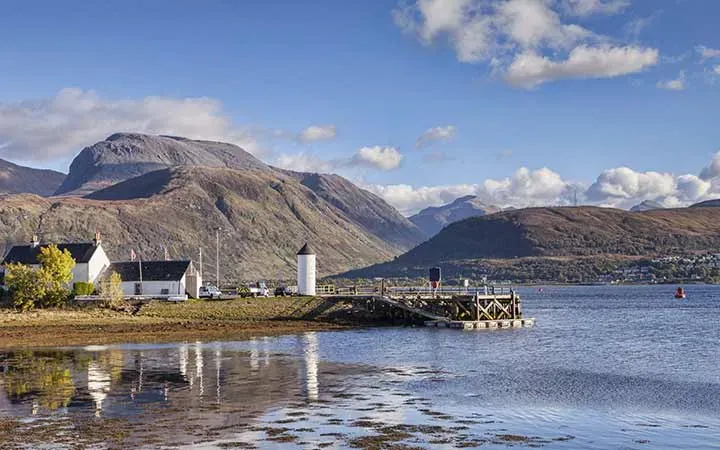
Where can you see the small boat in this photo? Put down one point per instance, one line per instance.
(680, 293)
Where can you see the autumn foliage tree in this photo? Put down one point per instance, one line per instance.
(45, 286)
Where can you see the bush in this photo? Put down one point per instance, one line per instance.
(83, 288)
(110, 289)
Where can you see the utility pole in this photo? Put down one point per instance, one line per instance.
(217, 256)
(201, 264)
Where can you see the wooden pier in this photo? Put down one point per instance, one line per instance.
(486, 307)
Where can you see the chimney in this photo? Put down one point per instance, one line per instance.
(34, 242)
(97, 241)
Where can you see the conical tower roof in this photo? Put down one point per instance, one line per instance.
(306, 250)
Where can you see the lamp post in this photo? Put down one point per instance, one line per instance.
(217, 256)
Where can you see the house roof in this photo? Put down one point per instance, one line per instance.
(306, 250)
(151, 270)
(27, 254)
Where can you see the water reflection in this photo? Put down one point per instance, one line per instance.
(115, 380)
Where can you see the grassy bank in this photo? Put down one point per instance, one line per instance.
(165, 322)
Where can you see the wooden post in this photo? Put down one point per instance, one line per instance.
(477, 307)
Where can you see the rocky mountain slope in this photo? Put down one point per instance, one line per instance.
(432, 220)
(266, 213)
(707, 204)
(647, 205)
(127, 155)
(15, 179)
(265, 217)
(578, 232)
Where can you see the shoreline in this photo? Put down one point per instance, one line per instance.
(160, 322)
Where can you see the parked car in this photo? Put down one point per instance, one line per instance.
(210, 292)
(258, 289)
(283, 291)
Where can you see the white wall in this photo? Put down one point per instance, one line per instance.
(98, 263)
(155, 287)
(306, 274)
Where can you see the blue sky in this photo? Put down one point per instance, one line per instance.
(570, 90)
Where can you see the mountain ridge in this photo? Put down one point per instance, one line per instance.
(17, 179)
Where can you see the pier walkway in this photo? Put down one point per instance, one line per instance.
(462, 308)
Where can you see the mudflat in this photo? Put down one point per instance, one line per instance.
(167, 322)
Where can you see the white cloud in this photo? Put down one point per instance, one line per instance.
(717, 69)
(677, 84)
(526, 188)
(304, 162)
(623, 183)
(590, 7)
(58, 127)
(436, 134)
(621, 187)
(707, 52)
(515, 37)
(316, 133)
(409, 200)
(713, 169)
(377, 157)
(530, 69)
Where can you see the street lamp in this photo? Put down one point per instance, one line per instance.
(217, 256)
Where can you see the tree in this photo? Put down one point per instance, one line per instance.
(26, 285)
(110, 288)
(56, 271)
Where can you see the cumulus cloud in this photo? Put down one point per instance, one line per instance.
(590, 7)
(315, 133)
(712, 170)
(677, 84)
(623, 183)
(377, 157)
(526, 188)
(620, 187)
(409, 200)
(708, 53)
(516, 37)
(436, 134)
(304, 162)
(58, 127)
(530, 69)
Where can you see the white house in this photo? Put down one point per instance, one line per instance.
(158, 278)
(90, 258)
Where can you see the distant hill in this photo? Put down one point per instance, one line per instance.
(567, 232)
(123, 156)
(15, 179)
(707, 204)
(266, 213)
(433, 219)
(265, 217)
(647, 205)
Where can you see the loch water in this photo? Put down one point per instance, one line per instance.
(604, 367)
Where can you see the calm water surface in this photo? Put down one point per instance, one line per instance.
(604, 367)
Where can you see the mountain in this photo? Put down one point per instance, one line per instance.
(557, 233)
(362, 207)
(16, 179)
(265, 218)
(647, 205)
(265, 213)
(432, 220)
(707, 204)
(123, 156)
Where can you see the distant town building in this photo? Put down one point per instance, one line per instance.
(90, 258)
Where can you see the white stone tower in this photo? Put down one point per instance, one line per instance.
(306, 271)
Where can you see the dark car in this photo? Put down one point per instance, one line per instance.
(283, 291)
